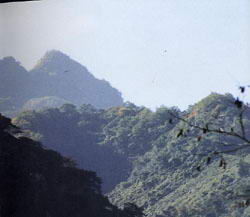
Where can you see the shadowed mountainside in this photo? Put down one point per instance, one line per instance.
(54, 80)
(41, 182)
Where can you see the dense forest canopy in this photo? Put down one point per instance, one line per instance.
(41, 182)
(105, 141)
(141, 158)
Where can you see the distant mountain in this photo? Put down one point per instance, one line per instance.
(156, 168)
(15, 81)
(54, 77)
(44, 103)
(58, 75)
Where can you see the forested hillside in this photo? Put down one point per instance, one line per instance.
(41, 182)
(55, 80)
(106, 141)
(151, 157)
(175, 178)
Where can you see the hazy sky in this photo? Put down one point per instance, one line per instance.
(171, 52)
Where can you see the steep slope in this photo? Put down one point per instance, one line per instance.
(161, 169)
(106, 141)
(165, 180)
(58, 75)
(76, 134)
(41, 183)
(13, 89)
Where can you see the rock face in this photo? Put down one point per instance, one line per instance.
(58, 75)
(54, 77)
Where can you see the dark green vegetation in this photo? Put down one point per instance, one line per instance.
(55, 79)
(105, 141)
(39, 183)
(141, 152)
(165, 180)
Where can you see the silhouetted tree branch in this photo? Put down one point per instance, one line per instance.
(212, 127)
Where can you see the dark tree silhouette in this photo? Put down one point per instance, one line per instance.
(40, 182)
(132, 210)
(242, 133)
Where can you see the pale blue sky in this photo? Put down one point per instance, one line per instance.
(123, 41)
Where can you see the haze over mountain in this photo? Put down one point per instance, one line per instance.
(207, 44)
(14, 82)
(54, 80)
(58, 75)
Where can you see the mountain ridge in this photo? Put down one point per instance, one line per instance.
(158, 168)
(55, 75)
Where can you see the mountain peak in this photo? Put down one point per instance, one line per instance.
(55, 54)
(9, 65)
(55, 62)
(61, 76)
(214, 99)
(9, 59)
(51, 58)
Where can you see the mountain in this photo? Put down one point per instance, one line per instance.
(156, 165)
(41, 182)
(13, 89)
(44, 102)
(58, 75)
(55, 79)
(76, 133)
(105, 141)
(165, 180)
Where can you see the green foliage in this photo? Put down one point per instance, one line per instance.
(133, 210)
(106, 141)
(43, 103)
(165, 180)
(41, 182)
(150, 165)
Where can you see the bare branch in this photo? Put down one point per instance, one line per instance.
(241, 123)
(207, 129)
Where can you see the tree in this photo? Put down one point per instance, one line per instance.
(234, 138)
(132, 210)
(41, 182)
